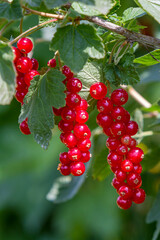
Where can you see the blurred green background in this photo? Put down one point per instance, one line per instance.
(27, 173)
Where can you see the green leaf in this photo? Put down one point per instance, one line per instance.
(132, 13)
(44, 19)
(155, 107)
(77, 44)
(151, 157)
(66, 187)
(149, 59)
(7, 74)
(54, 3)
(85, 9)
(152, 7)
(45, 91)
(123, 73)
(34, 3)
(108, 6)
(154, 215)
(10, 11)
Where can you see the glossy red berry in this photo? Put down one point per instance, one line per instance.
(122, 149)
(134, 180)
(114, 168)
(82, 106)
(73, 100)
(118, 113)
(57, 111)
(65, 169)
(104, 120)
(67, 72)
(74, 154)
(116, 184)
(104, 105)
(17, 54)
(126, 139)
(20, 95)
(21, 83)
(98, 90)
(120, 175)
(77, 168)
(82, 131)
(84, 144)
(82, 116)
(127, 166)
(124, 203)
(139, 196)
(119, 96)
(70, 140)
(112, 143)
(35, 64)
(65, 126)
(25, 45)
(118, 129)
(24, 128)
(125, 192)
(30, 75)
(131, 128)
(62, 136)
(127, 117)
(24, 64)
(68, 114)
(74, 85)
(114, 159)
(133, 143)
(137, 168)
(52, 63)
(85, 157)
(135, 154)
(64, 159)
(108, 132)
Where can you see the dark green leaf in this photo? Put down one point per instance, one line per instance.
(132, 13)
(123, 73)
(66, 187)
(85, 9)
(54, 3)
(151, 7)
(10, 11)
(154, 215)
(7, 74)
(34, 3)
(151, 157)
(77, 44)
(45, 91)
(149, 59)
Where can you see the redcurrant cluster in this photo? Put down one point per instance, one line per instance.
(75, 133)
(124, 157)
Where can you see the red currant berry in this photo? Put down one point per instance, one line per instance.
(98, 90)
(134, 180)
(114, 159)
(62, 137)
(82, 116)
(108, 132)
(139, 196)
(20, 95)
(82, 131)
(77, 168)
(112, 143)
(29, 76)
(68, 114)
(135, 154)
(133, 143)
(74, 85)
(73, 100)
(124, 203)
(116, 184)
(126, 117)
(119, 96)
(126, 140)
(120, 175)
(83, 105)
(25, 45)
(104, 120)
(70, 140)
(118, 113)
(125, 192)
(21, 83)
(35, 64)
(84, 145)
(118, 129)
(137, 168)
(65, 169)
(17, 54)
(67, 72)
(122, 149)
(52, 63)
(24, 128)
(127, 166)
(114, 168)
(24, 64)
(85, 157)
(104, 105)
(57, 111)
(131, 128)
(74, 154)
(64, 159)
(65, 126)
